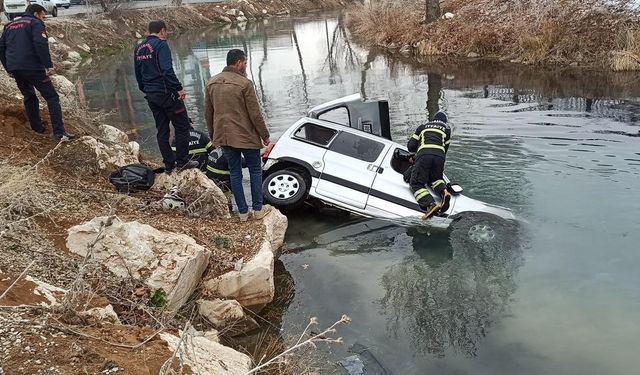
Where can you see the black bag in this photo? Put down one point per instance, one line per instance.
(132, 178)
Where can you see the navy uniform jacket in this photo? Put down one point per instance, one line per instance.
(432, 138)
(24, 45)
(154, 67)
(199, 147)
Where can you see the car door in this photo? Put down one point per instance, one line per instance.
(351, 164)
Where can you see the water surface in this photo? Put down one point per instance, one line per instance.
(561, 296)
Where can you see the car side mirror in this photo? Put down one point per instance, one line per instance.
(455, 188)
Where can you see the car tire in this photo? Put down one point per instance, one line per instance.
(54, 13)
(67, 7)
(285, 189)
(10, 17)
(471, 231)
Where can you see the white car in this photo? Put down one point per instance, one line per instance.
(15, 8)
(353, 164)
(62, 3)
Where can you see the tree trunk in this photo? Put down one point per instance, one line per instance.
(434, 92)
(432, 11)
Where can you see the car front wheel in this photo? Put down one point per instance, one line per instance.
(285, 189)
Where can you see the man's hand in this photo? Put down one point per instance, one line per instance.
(182, 94)
(266, 141)
(51, 71)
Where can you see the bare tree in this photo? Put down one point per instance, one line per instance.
(432, 10)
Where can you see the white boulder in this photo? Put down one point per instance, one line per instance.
(74, 57)
(101, 314)
(447, 16)
(87, 155)
(206, 356)
(227, 314)
(112, 134)
(84, 47)
(202, 196)
(65, 89)
(252, 285)
(162, 260)
(276, 226)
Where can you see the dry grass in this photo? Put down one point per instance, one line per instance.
(562, 32)
(627, 57)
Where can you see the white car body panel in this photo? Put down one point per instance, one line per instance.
(17, 7)
(367, 188)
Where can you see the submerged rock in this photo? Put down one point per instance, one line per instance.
(161, 260)
(353, 365)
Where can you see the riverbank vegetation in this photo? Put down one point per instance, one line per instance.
(599, 34)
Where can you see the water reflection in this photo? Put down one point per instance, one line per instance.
(451, 292)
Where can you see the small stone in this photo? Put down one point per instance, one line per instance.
(84, 47)
(37, 362)
(264, 11)
(60, 36)
(74, 56)
(52, 40)
(472, 55)
(138, 36)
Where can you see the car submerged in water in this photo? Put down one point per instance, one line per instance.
(342, 155)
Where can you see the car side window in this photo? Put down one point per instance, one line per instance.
(338, 115)
(357, 147)
(315, 134)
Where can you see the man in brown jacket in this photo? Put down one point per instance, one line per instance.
(235, 122)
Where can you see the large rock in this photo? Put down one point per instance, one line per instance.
(202, 196)
(228, 315)
(65, 89)
(87, 155)
(162, 260)
(112, 134)
(276, 227)
(207, 357)
(252, 285)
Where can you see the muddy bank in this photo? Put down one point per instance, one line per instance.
(591, 34)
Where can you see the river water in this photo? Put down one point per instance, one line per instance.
(561, 148)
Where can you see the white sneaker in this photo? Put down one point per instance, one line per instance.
(260, 214)
(243, 217)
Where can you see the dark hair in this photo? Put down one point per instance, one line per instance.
(156, 26)
(34, 8)
(234, 56)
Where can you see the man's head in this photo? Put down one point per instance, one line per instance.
(440, 116)
(158, 28)
(37, 11)
(237, 59)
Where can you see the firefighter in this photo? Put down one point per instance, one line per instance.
(430, 143)
(24, 52)
(165, 96)
(199, 147)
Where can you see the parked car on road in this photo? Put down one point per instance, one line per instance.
(15, 8)
(342, 154)
(62, 3)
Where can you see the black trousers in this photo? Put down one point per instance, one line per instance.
(28, 82)
(167, 108)
(428, 170)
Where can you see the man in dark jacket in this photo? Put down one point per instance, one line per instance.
(165, 95)
(24, 52)
(235, 122)
(430, 142)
